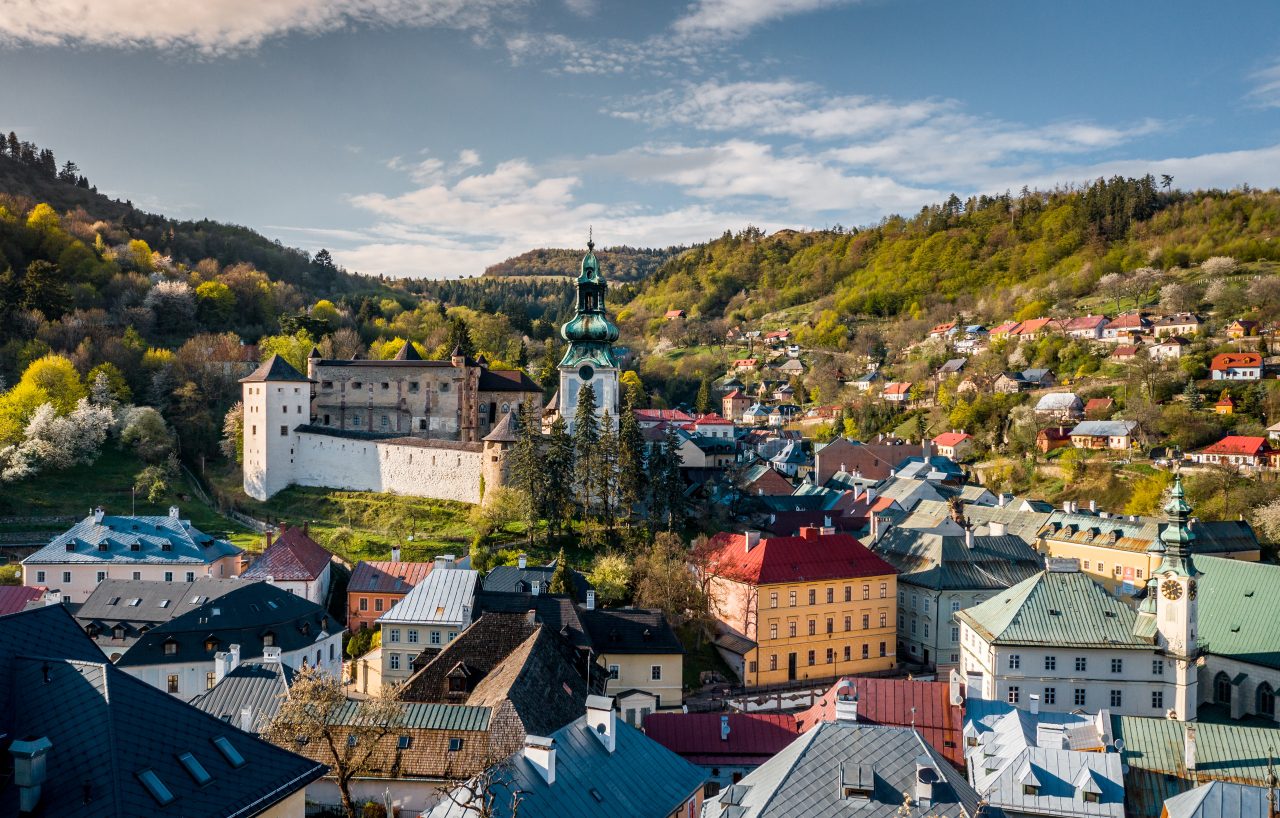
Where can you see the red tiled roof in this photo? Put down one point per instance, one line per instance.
(1238, 444)
(1130, 320)
(1085, 322)
(950, 325)
(387, 577)
(674, 313)
(778, 333)
(755, 736)
(1005, 328)
(950, 438)
(890, 702)
(794, 559)
(1232, 360)
(674, 415)
(745, 362)
(712, 419)
(1032, 326)
(14, 598)
(293, 557)
(735, 394)
(901, 388)
(1126, 351)
(1098, 405)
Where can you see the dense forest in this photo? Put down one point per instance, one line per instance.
(623, 263)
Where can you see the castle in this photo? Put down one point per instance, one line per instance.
(439, 429)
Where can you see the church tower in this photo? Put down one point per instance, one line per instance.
(1174, 586)
(590, 359)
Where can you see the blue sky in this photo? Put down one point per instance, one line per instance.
(434, 137)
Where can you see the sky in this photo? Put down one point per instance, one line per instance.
(436, 137)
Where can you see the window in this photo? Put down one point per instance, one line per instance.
(813, 596)
(773, 661)
(395, 661)
(1079, 697)
(791, 597)
(773, 599)
(1117, 666)
(268, 640)
(377, 604)
(1157, 667)
(210, 679)
(284, 431)
(435, 637)
(902, 620)
(1050, 695)
(813, 627)
(393, 635)
(156, 787)
(1014, 693)
(848, 623)
(357, 384)
(848, 653)
(1082, 664)
(848, 593)
(866, 651)
(173, 683)
(40, 577)
(364, 603)
(955, 633)
(1157, 700)
(66, 576)
(884, 620)
(170, 648)
(831, 655)
(813, 657)
(884, 590)
(455, 744)
(413, 636)
(137, 575)
(831, 595)
(1030, 789)
(386, 385)
(191, 576)
(883, 649)
(404, 742)
(926, 629)
(955, 606)
(831, 626)
(791, 629)
(1139, 573)
(1265, 700)
(866, 591)
(913, 625)
(655, 673)
(1116, 698)
(195, 768)
(753, 666)
(773, 630)
(1051, 663)
(168, 576)
(1015, 661)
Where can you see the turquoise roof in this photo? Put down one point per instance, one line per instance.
(1237, 612)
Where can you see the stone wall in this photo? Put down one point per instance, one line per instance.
(443, 470)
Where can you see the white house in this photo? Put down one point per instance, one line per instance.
(1236, 366)
(429, 617)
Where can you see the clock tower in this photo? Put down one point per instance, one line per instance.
(590, 359)
(1174, 584)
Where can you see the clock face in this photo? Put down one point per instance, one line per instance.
(1171, 590)
(586, 372)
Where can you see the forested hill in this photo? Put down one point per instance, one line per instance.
(989, 256)
(31, 175)
(622, 263)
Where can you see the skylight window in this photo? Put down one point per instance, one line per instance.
(229, 751)
(135, 602)
(115, 600)
(164, 603)
(156, 787)
(197, 770)
(195, 600)
(406, 741)
(271, 603)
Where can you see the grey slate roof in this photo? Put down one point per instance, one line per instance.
(446, 596)
(1105, 428)
(260, 686)
(639, 779)
(142, 604)
(1025, 524)
(514, 579)
(630, 630)
(158, 541)
(557, 612)
(946, 562)
(106, 727)
(805, 778)
(276, 368)
(1058, 608)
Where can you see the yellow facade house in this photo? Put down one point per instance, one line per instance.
(1115, 549)
(811, 607)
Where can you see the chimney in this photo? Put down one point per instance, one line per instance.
(270, 536)
(1066, 506)
(826, 522)
(1034, 698)
(752, 539)
(893, 473)
(522, 561)
(871, 495)
(847, 703)
(270, 655)
(968, 537)
(924, 447)
(1189, 747)
(844, 469)
(246, 719)
(173, 512)
(541, 753)
(531, 617)
(591, 600)
(395, 553)
(810, 532)
(97, 515)
(724, 727)
(29, 773)
(997, 529)
(441, 561)
(1001, 500)
(603, 720)
(1093, 506)
(235, 658)
(926, 777)
(466, 615)
(537, 587)
(53, 597)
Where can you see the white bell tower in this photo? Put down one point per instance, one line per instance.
(1174, 583)
(277, 400)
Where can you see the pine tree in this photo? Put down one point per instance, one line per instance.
(607, 465)
(1192, 393)
(673, 480)
(560, 584)
(558, 486)
(702, 404)
(527, 474)
(586, 444)
(460, 338)
(632, 469)
(522, 357)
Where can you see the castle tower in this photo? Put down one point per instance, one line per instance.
(1174, 584)
(498, 443)
(277, 400)
(590, 359)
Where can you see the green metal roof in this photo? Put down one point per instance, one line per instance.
(430, 716)
(1056, 608)
(1238, 615)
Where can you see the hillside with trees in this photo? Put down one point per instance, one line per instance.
(623, 263)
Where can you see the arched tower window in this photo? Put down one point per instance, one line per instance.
(1265, 700)
(1222, 688)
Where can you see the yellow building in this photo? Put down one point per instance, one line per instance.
(640, 651)
(811, 607)
(1115, 549)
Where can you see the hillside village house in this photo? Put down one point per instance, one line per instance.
(296, 563)
(641, 653)
(377, 585)
(733, 404)
(1125, 352)
(1012, 382)
(953, 444)
(1123, 328)
(1099, 408)
(182, 637)
(1170, 349)
(1004, 330)
(1060, 406)
(1242, 328)
(815, 606)
(1116, 435)
(1225, 405)
(950, 367)
(1033, 329)
(428, 618)
(745, 364)
(1182, 323)
(1053, 437)
(1236, 366)
(106, 546)
(1086, 327)
(1235, 450)
(898, 393)
(943, 330)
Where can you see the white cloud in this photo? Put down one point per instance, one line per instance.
(1266, 86)
(734, 18)
(220, 26)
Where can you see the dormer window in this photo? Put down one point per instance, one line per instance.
(166, 546)
(210, 644)
(135, 546)
(1090, 797)
(170, 648)
(268, 640)
(457, 684)
(117, 632)
(104, 546)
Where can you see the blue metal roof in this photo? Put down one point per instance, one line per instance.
(121, 540)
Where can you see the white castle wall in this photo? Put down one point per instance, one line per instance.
(442, 473)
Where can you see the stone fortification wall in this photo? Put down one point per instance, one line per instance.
(440, 469)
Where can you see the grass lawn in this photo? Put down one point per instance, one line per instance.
(699, 659)
(109, 483)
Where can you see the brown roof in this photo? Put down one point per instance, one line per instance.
(387, 577)
(294, 556)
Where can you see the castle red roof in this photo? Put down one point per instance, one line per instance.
(655, 415)
(810, 557)
(1238, 444)
(293, 557)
